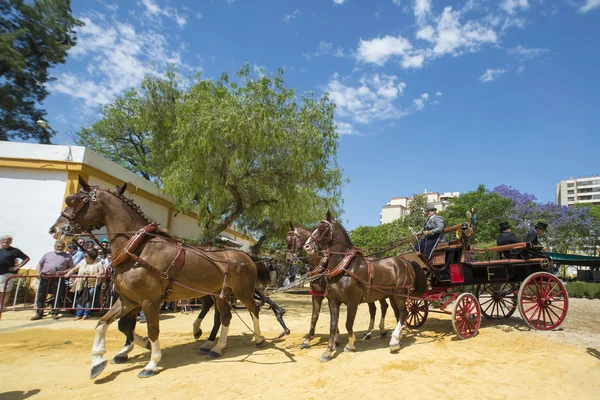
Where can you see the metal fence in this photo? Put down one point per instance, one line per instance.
(56, 293)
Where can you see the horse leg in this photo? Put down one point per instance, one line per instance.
(120, 308)
(351, 315)
(224, 310)
(127, 327)
(152, 311)
(334, 314)
(208, 343)
(397, 334)
(207, 303)
(384, 308)
(277, 310)
(372, 312)
(247, 299)
(316, 309)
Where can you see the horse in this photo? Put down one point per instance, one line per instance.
(295, 240)
(353, 279)
(151, 266)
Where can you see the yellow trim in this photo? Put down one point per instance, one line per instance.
(238, 234)
(40, 164)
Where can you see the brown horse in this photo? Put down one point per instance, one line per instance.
(352, 279)
(149, 267)
(295, 240)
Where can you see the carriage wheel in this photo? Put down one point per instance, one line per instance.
(543, 301)
(416, 313)
(466, 316)
(497, 300)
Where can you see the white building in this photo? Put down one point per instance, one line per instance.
(584, 190)
(398, 206)
(35, 179)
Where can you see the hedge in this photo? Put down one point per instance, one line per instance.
(583, 289)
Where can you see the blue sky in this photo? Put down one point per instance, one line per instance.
(431, 94)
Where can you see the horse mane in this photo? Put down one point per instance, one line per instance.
(344, 233)
(139, 211)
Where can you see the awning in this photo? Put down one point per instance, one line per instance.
(574, 259)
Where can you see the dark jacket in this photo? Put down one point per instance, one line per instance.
(507, 238)
(532, 237)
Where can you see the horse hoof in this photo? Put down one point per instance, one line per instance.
(213, 354)
(325, 358)
(197, 335)
(204, 351)
(384, 334)
(261, 344)
(367, 337)
(147, 373)
(394, 349)
(347, 349)
(119, 359)
(304, 345)
(97, 369)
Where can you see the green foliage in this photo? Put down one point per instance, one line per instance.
(247, 150)
(34, 37)
(490, 208)
(583, 289)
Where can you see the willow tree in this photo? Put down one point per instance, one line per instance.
(251, 147)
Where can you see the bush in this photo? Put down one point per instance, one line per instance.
(583, 289)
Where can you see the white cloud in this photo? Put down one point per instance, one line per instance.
(116, 57)
(512, 6)
(426, 33)
(288, 17)
(345, 128)
(339, 1)
(422, 9)
(379, 50)
(527, 53)
(370, 99)
(421, 101)
(325, 48)
(454, 38)
(589, 5)
(415, 61)
(439, 94)
(153, 12)
(520, 69)
(397, 2)
(491, 74)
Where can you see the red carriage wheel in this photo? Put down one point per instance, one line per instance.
(497, 300)
(416, 313)
(466, 316)
(543, 301)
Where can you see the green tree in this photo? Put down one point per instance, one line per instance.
(131, 130)
(34, 37)
(244, 145)
(490, 208)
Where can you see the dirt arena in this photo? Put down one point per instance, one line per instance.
(50, 359)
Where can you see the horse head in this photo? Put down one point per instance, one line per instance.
(295, 239)
(322, 236)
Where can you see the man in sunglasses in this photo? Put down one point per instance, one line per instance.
(53, 263)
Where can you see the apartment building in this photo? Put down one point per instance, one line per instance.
(584, 190)
(398, 206)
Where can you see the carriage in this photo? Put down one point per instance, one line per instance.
(494, 288)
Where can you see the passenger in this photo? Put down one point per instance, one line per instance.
(533, 236)
(432, 232)
(507, 237)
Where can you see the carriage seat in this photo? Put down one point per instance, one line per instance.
(438, 257)
(504, 250)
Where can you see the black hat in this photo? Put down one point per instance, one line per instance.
(430, 206)
(541, 225)
(504, 225)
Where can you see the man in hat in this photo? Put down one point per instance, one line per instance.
(507, 237)
(432, 232)
(105, 246)
(533, 236)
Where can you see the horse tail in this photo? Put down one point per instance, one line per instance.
(263, 278)
(420, 284)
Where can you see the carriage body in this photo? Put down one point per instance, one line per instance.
(493, 288)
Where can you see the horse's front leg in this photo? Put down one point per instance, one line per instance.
(334, 314)
(225, 313)
(351, 315)
(397, 334)
(372, 312)
(120, 308)
(127, 327)
(208, 343)
(207, 303)
(317, 301)
(152, 312)
(384, 308)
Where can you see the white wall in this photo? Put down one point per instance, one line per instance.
(30, 204)
(184, 226)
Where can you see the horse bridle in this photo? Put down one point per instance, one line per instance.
(77, 202)
(328, 231)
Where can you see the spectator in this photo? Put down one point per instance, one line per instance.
(272, 272)
(55, 262)
(9, 266)
(75, 252)
(105, 245)
(293, 272)
(89, 245)
(533, 236)
(507, 237)
(85, 287)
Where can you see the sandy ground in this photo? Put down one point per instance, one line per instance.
(49, 359)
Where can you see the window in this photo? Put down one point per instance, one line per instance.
(570, 184)
(570, 192)
(571, 199)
